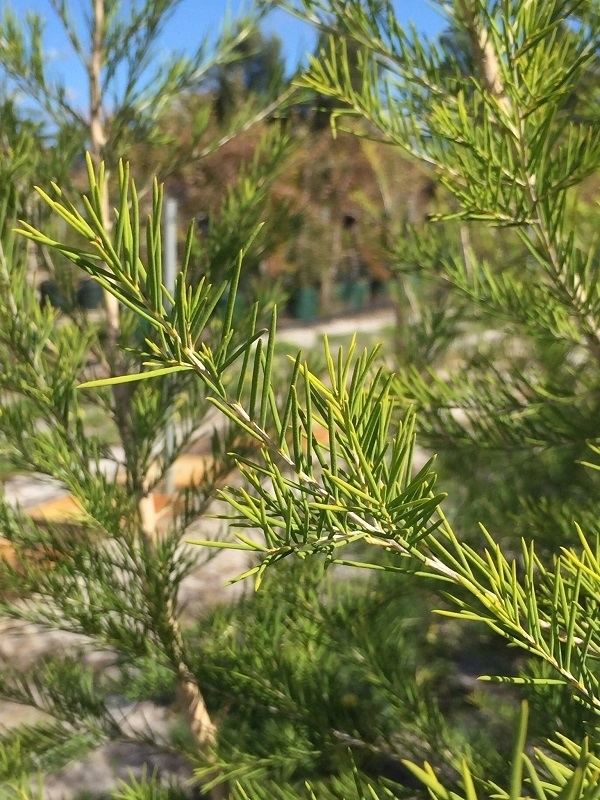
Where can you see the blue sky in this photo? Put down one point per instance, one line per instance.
(194, 19)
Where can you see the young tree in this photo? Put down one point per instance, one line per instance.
(128, 98)
(114, 574)
(350, 496)
(508, 395)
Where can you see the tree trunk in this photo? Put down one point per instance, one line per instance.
(194, 707)
(97, 144)
(191, 700)
(483, 51)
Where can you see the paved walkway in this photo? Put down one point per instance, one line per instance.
(307, 336)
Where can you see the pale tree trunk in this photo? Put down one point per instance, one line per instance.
(483, 51)
(488, 63)
(97, 143)
(148, 517)
(194, 708)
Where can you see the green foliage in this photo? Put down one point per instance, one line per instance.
(511, 144)
(140, 92)
(357, 487)
(102, 574)
(333, 478)
(576, 777)
(148, 788)
(336, 665)
(327, 462)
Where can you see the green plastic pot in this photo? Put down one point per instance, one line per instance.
(354, 294)
(50, 293)
(306, 303)
(89, 295)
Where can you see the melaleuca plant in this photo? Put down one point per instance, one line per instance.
(333, 480)
(78, 578)
(509, 133)
(112, 574)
